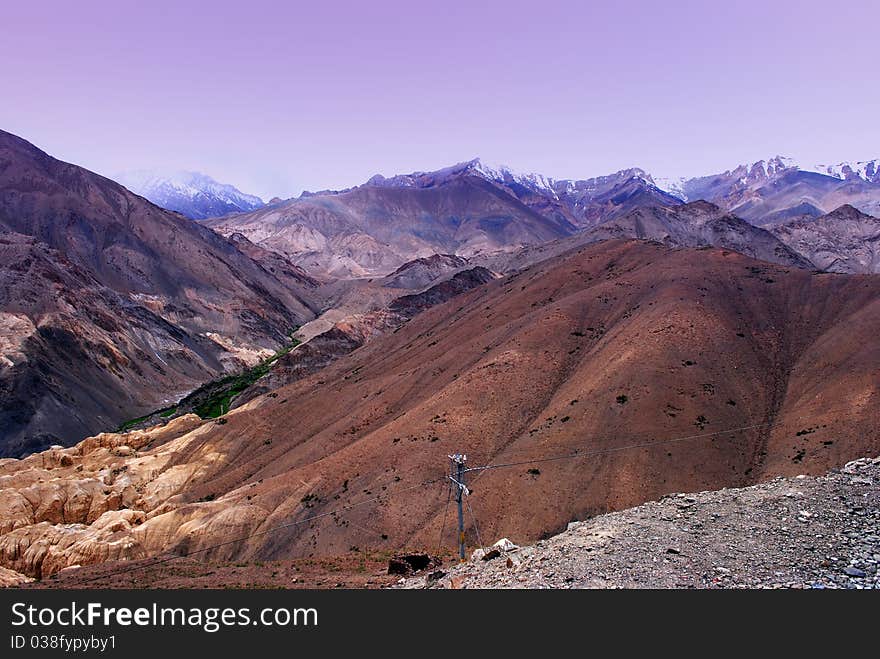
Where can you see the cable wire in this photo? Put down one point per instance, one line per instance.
(474, 520)
(443, 524)
(578, 453)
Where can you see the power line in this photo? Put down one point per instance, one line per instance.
(577, 453)
(474, 520)
(443, 524)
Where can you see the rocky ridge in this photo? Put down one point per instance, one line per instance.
(845, 240)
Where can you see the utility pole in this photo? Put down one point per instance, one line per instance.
(457, 477)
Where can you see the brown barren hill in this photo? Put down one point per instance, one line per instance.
(610, 351)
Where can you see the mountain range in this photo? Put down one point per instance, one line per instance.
(146, 305)
(762, 192)
(495, 215)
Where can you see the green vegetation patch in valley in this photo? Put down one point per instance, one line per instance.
(221, 392)
(214, 398)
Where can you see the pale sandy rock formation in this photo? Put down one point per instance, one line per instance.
(12, 578)
(107, 498)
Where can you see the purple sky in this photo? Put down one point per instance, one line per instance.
(276, 97)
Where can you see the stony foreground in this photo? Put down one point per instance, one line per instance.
(801, 532)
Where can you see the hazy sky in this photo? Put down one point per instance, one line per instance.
(276, 97)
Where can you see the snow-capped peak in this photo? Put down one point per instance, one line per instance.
(194, 194)
(771, 166)
(505, 174)
(475, 167)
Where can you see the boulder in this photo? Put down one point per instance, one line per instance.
(505, 545)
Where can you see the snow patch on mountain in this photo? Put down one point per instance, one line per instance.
(771, 167)
(756, 173)
(672, 185)
(866, 170)
(505, 174)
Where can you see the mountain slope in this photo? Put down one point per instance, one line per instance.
(193, 194)
(614, 345)
(354, 330)
(77, 356)
(844, 240)
(420, 273)
(138, 249)
(102, 245)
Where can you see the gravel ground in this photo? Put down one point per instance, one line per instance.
(355, 570)
(802, 532)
